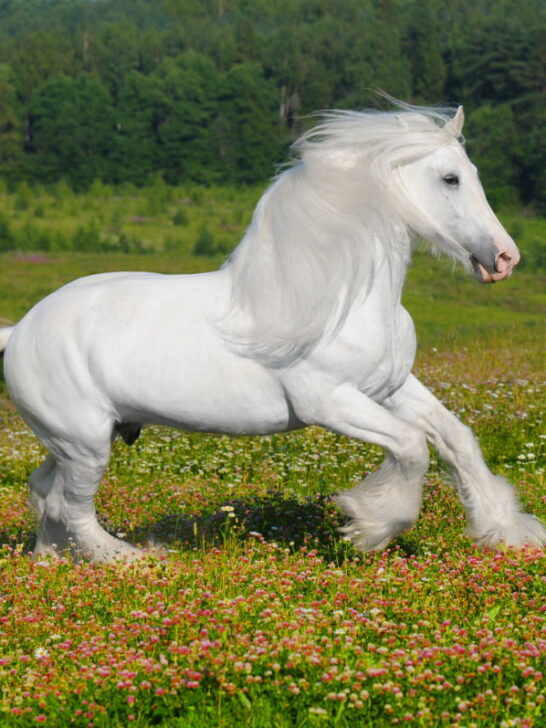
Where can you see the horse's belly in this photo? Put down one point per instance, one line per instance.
(248, 405)
(195, 383)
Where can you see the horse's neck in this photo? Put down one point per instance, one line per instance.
(397, 259)
(390, 266)
(304, 265)
(378, 307)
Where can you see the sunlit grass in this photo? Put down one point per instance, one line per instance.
(156, 219)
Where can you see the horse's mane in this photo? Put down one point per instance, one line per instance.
(319, 229)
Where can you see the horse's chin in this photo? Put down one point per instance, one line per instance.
(480, 273)
(484, 276)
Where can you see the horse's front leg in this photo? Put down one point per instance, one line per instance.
(387, 502)
(494, 513)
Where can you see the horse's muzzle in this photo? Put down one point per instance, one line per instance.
(504, 265)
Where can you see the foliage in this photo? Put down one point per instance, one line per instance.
(214, 92)
(205, 242)
(257, 612)
(152, 219)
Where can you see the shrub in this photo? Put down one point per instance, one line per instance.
(171, 244)
(7, 239)
(30, 237)
(23, 196)
(130, 244)
(62, 191)
(180, 217)
(87, 238)
(205, 244)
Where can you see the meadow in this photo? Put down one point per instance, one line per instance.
(256, 612)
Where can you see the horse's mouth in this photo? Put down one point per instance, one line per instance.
(484, 276)
(480, 272)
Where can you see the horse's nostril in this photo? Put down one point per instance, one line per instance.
(503, 262)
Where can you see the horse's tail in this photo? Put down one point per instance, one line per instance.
(5, 333)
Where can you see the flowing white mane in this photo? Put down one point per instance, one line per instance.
(310, 250)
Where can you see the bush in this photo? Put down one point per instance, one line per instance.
(87, 238)
(7, 239)
(32, 238)
(205, 244)
(159, 196)
(130, 244)
(23, 196)
(180, 217)
(62, 191)
(171, 244)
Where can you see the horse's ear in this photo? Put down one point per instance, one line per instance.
(455, 126)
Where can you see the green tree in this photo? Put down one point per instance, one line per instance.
(139, 112)
(178, 84)
(72, 130)
(115, 53)
(37, 55)
(423, 51)
(188, 107)
(493, 147)
(11, 127)
(498, 61)
(283, 62)
(247, 131)
(375, 58)
(529, 116)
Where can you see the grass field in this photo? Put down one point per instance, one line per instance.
(156, 219)
(258, 613)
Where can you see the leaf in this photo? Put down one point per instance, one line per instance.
(245, 702)
(492, 613)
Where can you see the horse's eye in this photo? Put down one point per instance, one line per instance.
(452, 180)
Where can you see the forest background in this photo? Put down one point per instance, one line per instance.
(214, 91)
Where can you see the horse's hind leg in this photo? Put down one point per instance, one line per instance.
(63, 489)
(52, 534)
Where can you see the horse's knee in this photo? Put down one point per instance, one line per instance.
(412, 453)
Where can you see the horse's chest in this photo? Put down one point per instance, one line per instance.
(376, 355)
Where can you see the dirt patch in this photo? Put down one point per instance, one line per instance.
(32, 258)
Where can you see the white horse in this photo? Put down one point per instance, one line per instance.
(302, 326)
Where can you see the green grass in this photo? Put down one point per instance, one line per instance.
(151, 220)
(258, 613)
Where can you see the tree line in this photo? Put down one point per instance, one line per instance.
(214, 91)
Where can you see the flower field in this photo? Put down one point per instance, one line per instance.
(254, 611)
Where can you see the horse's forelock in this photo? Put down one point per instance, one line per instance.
(405, 134)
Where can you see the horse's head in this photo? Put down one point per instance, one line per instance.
(448, 206)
